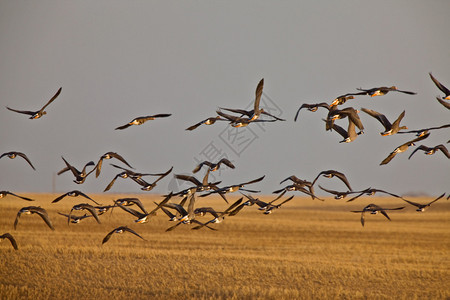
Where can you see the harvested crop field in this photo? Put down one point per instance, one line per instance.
(306, 249)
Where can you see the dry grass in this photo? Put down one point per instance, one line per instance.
(306, 249)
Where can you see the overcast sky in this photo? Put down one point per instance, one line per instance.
(117, 60)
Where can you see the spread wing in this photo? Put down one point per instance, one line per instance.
(52, 99)
(11, 239)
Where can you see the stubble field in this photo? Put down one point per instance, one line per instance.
(304, 250)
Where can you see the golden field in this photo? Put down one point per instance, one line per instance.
(304, 250)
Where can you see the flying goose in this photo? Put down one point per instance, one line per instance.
(34, 210)
(337, 195)
(39, 113)
(11, 239)
(218, 216)
(199, 186)
(380, 91)
(239, 121)
(297, 181)
(130, 202)
(295, 187)
(109, 155)
(251, 201)
(374, 209)
(101, 209)
(84, 206)
(339, 100)
(80, 177)
(14, 154)
(142, 120)
(403, 148)
(149, 186)
(432, 150)
(234, 188)
(311, 107)
(127, 174)
(143, 217)
(333, 173)
(120, 229)
(256, 112)
(208, 121)
(75, 219)
(271, 207)
(371, 192)
(6, 193)
(74, 193)
(185, 217)
(349, 112)
(390, 129)
(423, 131)
(349, 135)
(423, 207)
(298, 185)
(204, 185)
(213, 166)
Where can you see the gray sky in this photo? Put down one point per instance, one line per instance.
(117, 60)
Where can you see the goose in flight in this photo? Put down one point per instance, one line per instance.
(149, 186)
(109, 155)
(208, 121)
(348, 135)
(423, 131)
(374, 209)
(39, 113)
(130, 202)
(380, 91)
(234, 188)
(432, 150)
(84, 206)
(214, 166)
(256, 112)
(185, 216)
(142, 120)
(218, 216)
(6, 193)
(80, 177)
(127, 174)
(14, 154)
(120, 229)
(74, 193)
(337, 195)
(271, 206)
(371, 192)
(34, 210)
(402, 148)
(143, 217)
(390, 129)
(311, 107)
(75, 219)
(423, 207)
(331, 174)
(239, 121)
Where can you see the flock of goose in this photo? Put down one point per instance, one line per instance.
(185, 211)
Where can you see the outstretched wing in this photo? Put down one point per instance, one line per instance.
(11, 239)
(123, 127)
(439, 85)
(52, 99)
(26, 158)
(43, 214)
(26, 112)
